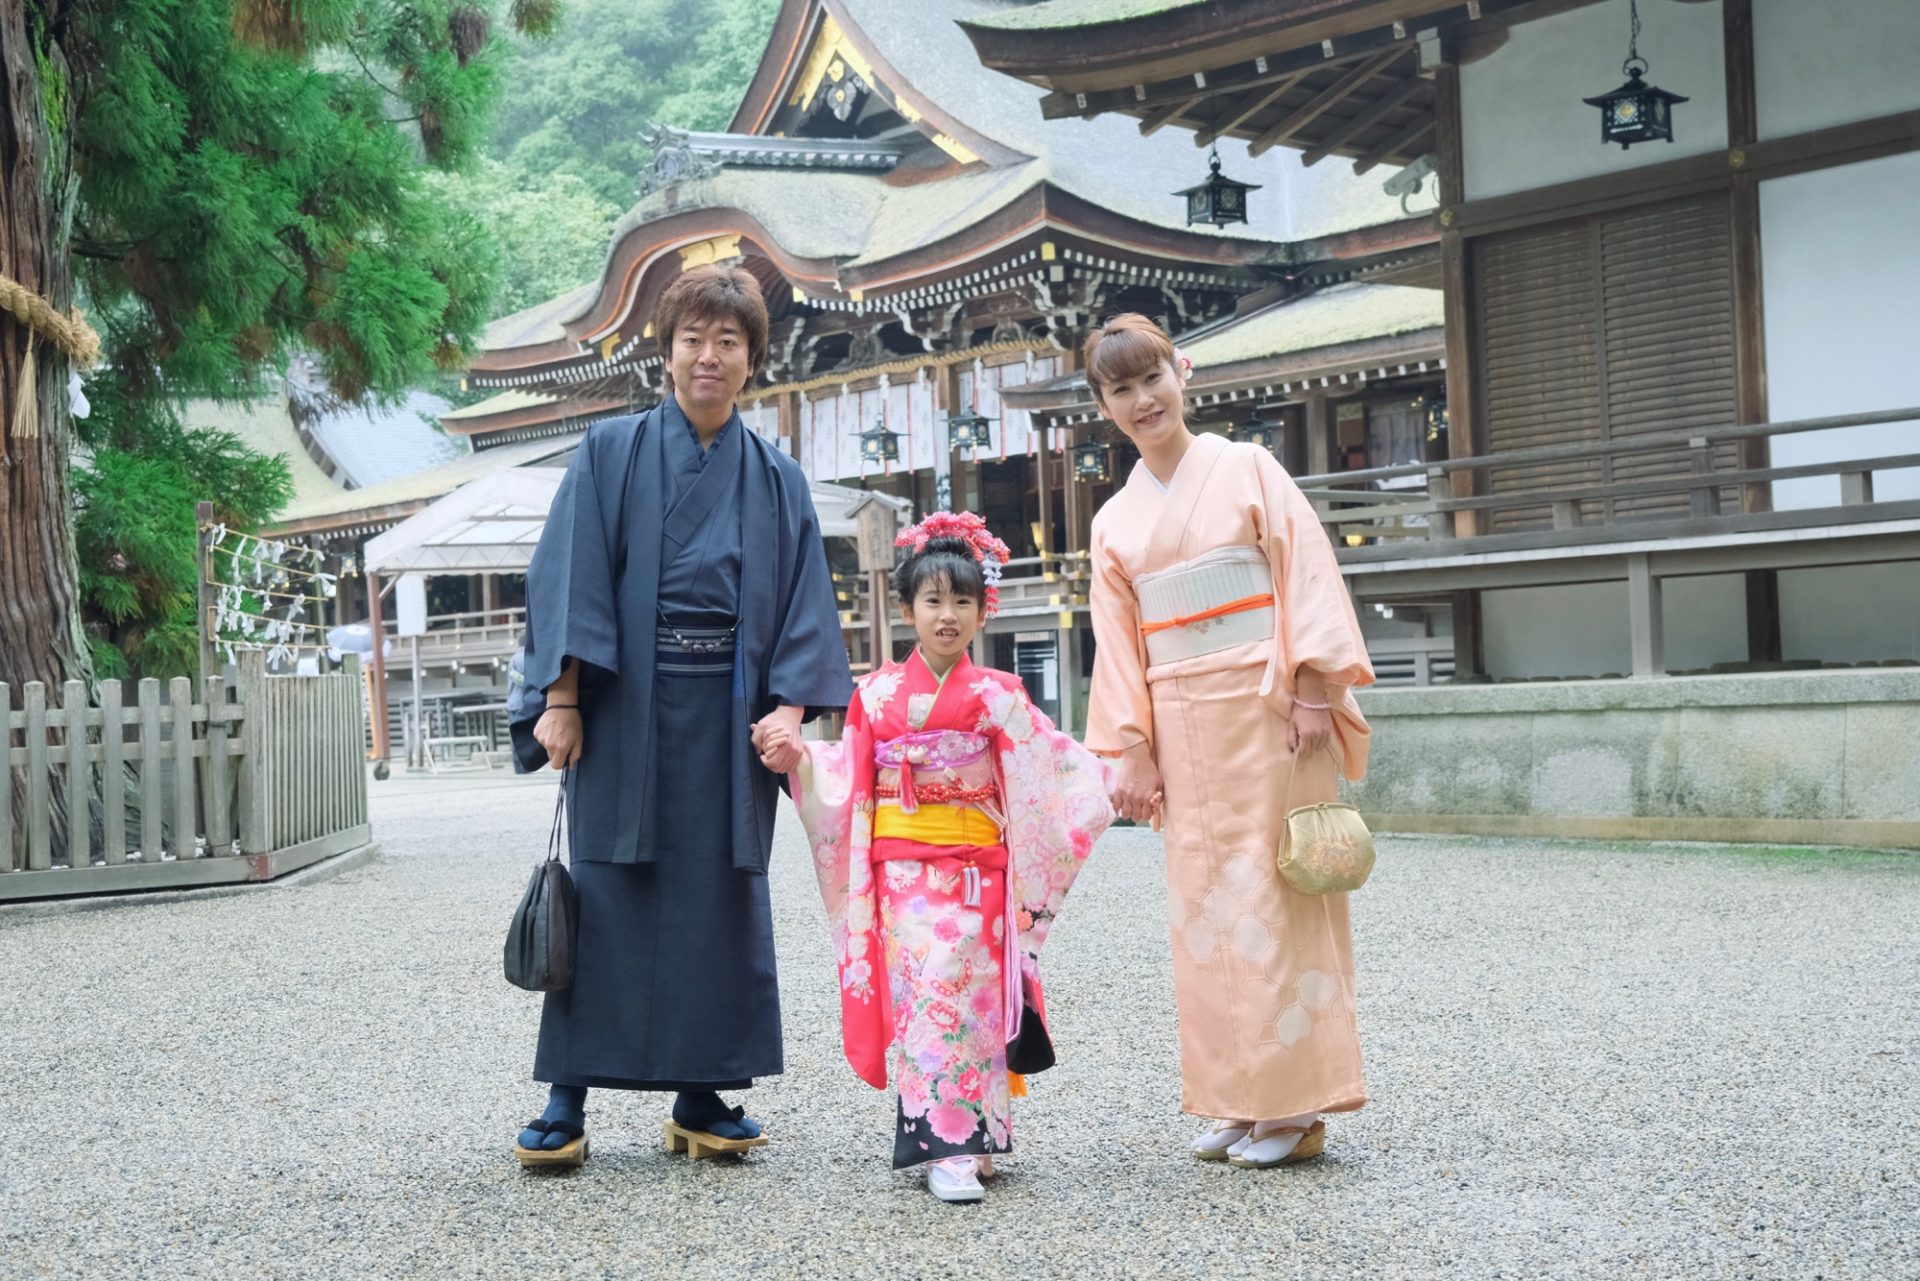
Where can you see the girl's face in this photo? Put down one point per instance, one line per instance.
(1148, 408)
(944, 620)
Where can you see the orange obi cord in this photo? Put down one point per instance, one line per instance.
(1240, 606)
(1016, 1085)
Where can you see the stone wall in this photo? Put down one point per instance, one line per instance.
(1828, 758)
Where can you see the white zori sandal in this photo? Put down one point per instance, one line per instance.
(957, 1178)
(1211, 1144)
(1267, 1146)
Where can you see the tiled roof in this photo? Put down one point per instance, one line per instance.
(1342, 314)
(372, 444)
(1052, 15)
(265, 427)
(430, 484)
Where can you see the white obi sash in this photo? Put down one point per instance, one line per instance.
(1177, 604)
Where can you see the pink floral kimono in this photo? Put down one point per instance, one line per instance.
(947, 826)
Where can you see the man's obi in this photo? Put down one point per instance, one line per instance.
(936, 788)
(1210, 603)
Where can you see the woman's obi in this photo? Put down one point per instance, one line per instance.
(936, 788)
(1210, 603)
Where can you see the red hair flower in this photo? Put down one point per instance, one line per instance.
(970, 529)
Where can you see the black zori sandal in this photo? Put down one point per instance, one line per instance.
(569, 1156)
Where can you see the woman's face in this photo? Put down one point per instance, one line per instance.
(1148, 408)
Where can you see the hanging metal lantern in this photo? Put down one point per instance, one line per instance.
(1220, 199)
(878, 445)
(970, 431)
(1093, 461)
(1258, 432)
(1636, 111)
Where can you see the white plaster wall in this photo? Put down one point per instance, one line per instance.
(1523, 123)
(1851, 613)
(1577, 630)
(1829, 62)
(1840, 257)
(1704, 621)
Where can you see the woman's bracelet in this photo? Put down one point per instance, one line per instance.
(1313, 707)
(563, 707)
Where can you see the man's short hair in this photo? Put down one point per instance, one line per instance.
(710, 293)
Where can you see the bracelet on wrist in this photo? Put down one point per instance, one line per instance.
(563, 707)
(1313, 707)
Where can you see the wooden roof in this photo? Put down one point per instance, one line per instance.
(1325, 77)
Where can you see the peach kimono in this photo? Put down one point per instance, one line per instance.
(1263, 975)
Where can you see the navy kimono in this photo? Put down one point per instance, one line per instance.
(692, 588)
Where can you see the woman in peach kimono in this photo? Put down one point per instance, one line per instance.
(1227, 650)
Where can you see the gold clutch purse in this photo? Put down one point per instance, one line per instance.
(1325, 848)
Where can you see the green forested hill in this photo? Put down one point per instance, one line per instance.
(566, 154)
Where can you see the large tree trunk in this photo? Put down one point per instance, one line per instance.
(40, 634)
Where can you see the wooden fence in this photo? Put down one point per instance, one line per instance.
(255, 779)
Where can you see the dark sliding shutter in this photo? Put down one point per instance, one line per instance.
(1597, 330)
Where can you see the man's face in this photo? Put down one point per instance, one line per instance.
(710, 363)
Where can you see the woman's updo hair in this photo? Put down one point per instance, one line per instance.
(1126, 347)
(942, 558)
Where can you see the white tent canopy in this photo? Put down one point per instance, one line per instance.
(492, 525)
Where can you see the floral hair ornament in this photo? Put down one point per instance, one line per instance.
(971, 530)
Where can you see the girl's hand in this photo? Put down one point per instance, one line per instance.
(1310, 730)
(559, 731)
(1136, 787)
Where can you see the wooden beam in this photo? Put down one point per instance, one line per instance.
(1695, 175)
(1064, 103)
(1335, 93)
(1365, 120)
(1153, 120)
(1399, 142)
(1212, 133)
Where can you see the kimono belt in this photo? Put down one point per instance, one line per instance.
(947, 837)
(933, 825)
(1210, 603)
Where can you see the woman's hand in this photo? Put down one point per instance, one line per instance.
(1310, 730)
(559, 731)
(777, 738)
(1136, 787)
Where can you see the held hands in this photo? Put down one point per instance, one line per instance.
(1136, 789)
(776, 736)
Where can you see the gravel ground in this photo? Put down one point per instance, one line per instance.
(1587, 1061)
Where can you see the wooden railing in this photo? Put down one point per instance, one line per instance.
(252, 780)
(455, 638)
(1350, 506)
(1028, 585)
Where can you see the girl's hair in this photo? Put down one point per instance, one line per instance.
(1125, 347)
(948, 558)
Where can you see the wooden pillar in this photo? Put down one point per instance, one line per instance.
(879, 621)
(490, 594)
(1319, 418)
(382, 742)
(1463, 428)
(1043, 476)
(1743, 204)
(1469, 653)
(1763, 616)
(1646, 625)
(1076, 493)
(203, 592)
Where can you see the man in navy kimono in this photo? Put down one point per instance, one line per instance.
(679, 609)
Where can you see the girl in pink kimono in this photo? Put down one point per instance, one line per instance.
(947, 826)
(1227, 650)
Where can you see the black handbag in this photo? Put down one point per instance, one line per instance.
(1031, 1050)
(545, 930)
